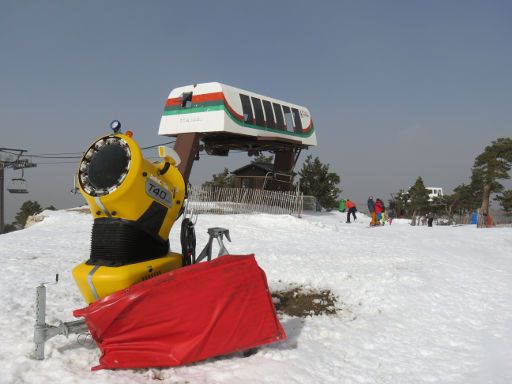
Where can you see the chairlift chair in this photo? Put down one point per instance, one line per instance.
(18, 185)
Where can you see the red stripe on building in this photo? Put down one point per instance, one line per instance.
(173, 102)
(196, 98)
(309, 126)
(207, 97)
(233, 112)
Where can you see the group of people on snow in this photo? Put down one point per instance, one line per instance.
(377, 211)
(427, 219)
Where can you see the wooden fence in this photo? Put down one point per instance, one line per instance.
(244, 200)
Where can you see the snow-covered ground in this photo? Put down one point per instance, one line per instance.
(415, 304)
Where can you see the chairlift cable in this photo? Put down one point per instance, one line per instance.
(58, 154)
(64, 155)
(157, 145)
(53, 157)
(57, 162)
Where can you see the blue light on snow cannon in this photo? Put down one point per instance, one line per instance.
(115, 125)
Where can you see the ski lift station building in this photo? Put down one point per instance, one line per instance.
(226, 118)
(228, 111)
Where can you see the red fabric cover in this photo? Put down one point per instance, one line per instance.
(190, 314)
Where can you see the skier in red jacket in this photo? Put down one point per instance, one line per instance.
(350, 207)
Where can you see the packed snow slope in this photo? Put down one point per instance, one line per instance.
(415, 304)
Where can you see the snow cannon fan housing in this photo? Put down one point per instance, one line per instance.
(134, 203)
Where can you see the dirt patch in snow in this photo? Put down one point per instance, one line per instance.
(34, 219)
(84, 209)
(299, 301)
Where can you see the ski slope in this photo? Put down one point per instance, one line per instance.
(415, 304)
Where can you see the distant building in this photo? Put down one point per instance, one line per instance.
(434, 192)
(262, 176)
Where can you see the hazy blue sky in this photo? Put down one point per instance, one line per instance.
(397, 89)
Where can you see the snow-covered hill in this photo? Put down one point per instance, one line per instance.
(415, 304)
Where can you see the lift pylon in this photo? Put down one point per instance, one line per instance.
(12, 158)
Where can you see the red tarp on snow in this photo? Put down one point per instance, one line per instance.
(190, 314)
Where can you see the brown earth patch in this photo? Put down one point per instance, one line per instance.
(79, 210)
(299, 301)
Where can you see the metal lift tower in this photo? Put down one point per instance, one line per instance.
(12, 158)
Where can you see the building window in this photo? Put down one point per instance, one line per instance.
(269, 114)
(288, 118)
(279, 116)
(246, 108)
(298, 123)
(258, 111)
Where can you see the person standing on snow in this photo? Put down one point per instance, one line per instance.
(383, 213)
(371, 210)
(430, 218)
(378, 210)
(351, 208)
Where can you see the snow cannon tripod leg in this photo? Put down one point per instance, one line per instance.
(43, 331)
(215, 233)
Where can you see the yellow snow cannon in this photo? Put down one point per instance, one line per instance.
(134, 203)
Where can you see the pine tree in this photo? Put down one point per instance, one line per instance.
(262, 159)
(223, 179)
(505, 200)
(418, 199)
(28, 208)
(399, 204)
(317, 181)
(465, 198)
(10, 228)
(491, 165)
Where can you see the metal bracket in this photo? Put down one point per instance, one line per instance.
(43, 332)
(215, 233)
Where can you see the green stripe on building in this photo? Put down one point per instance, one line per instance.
(177, 110)
(196, 105)
(186, 111)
